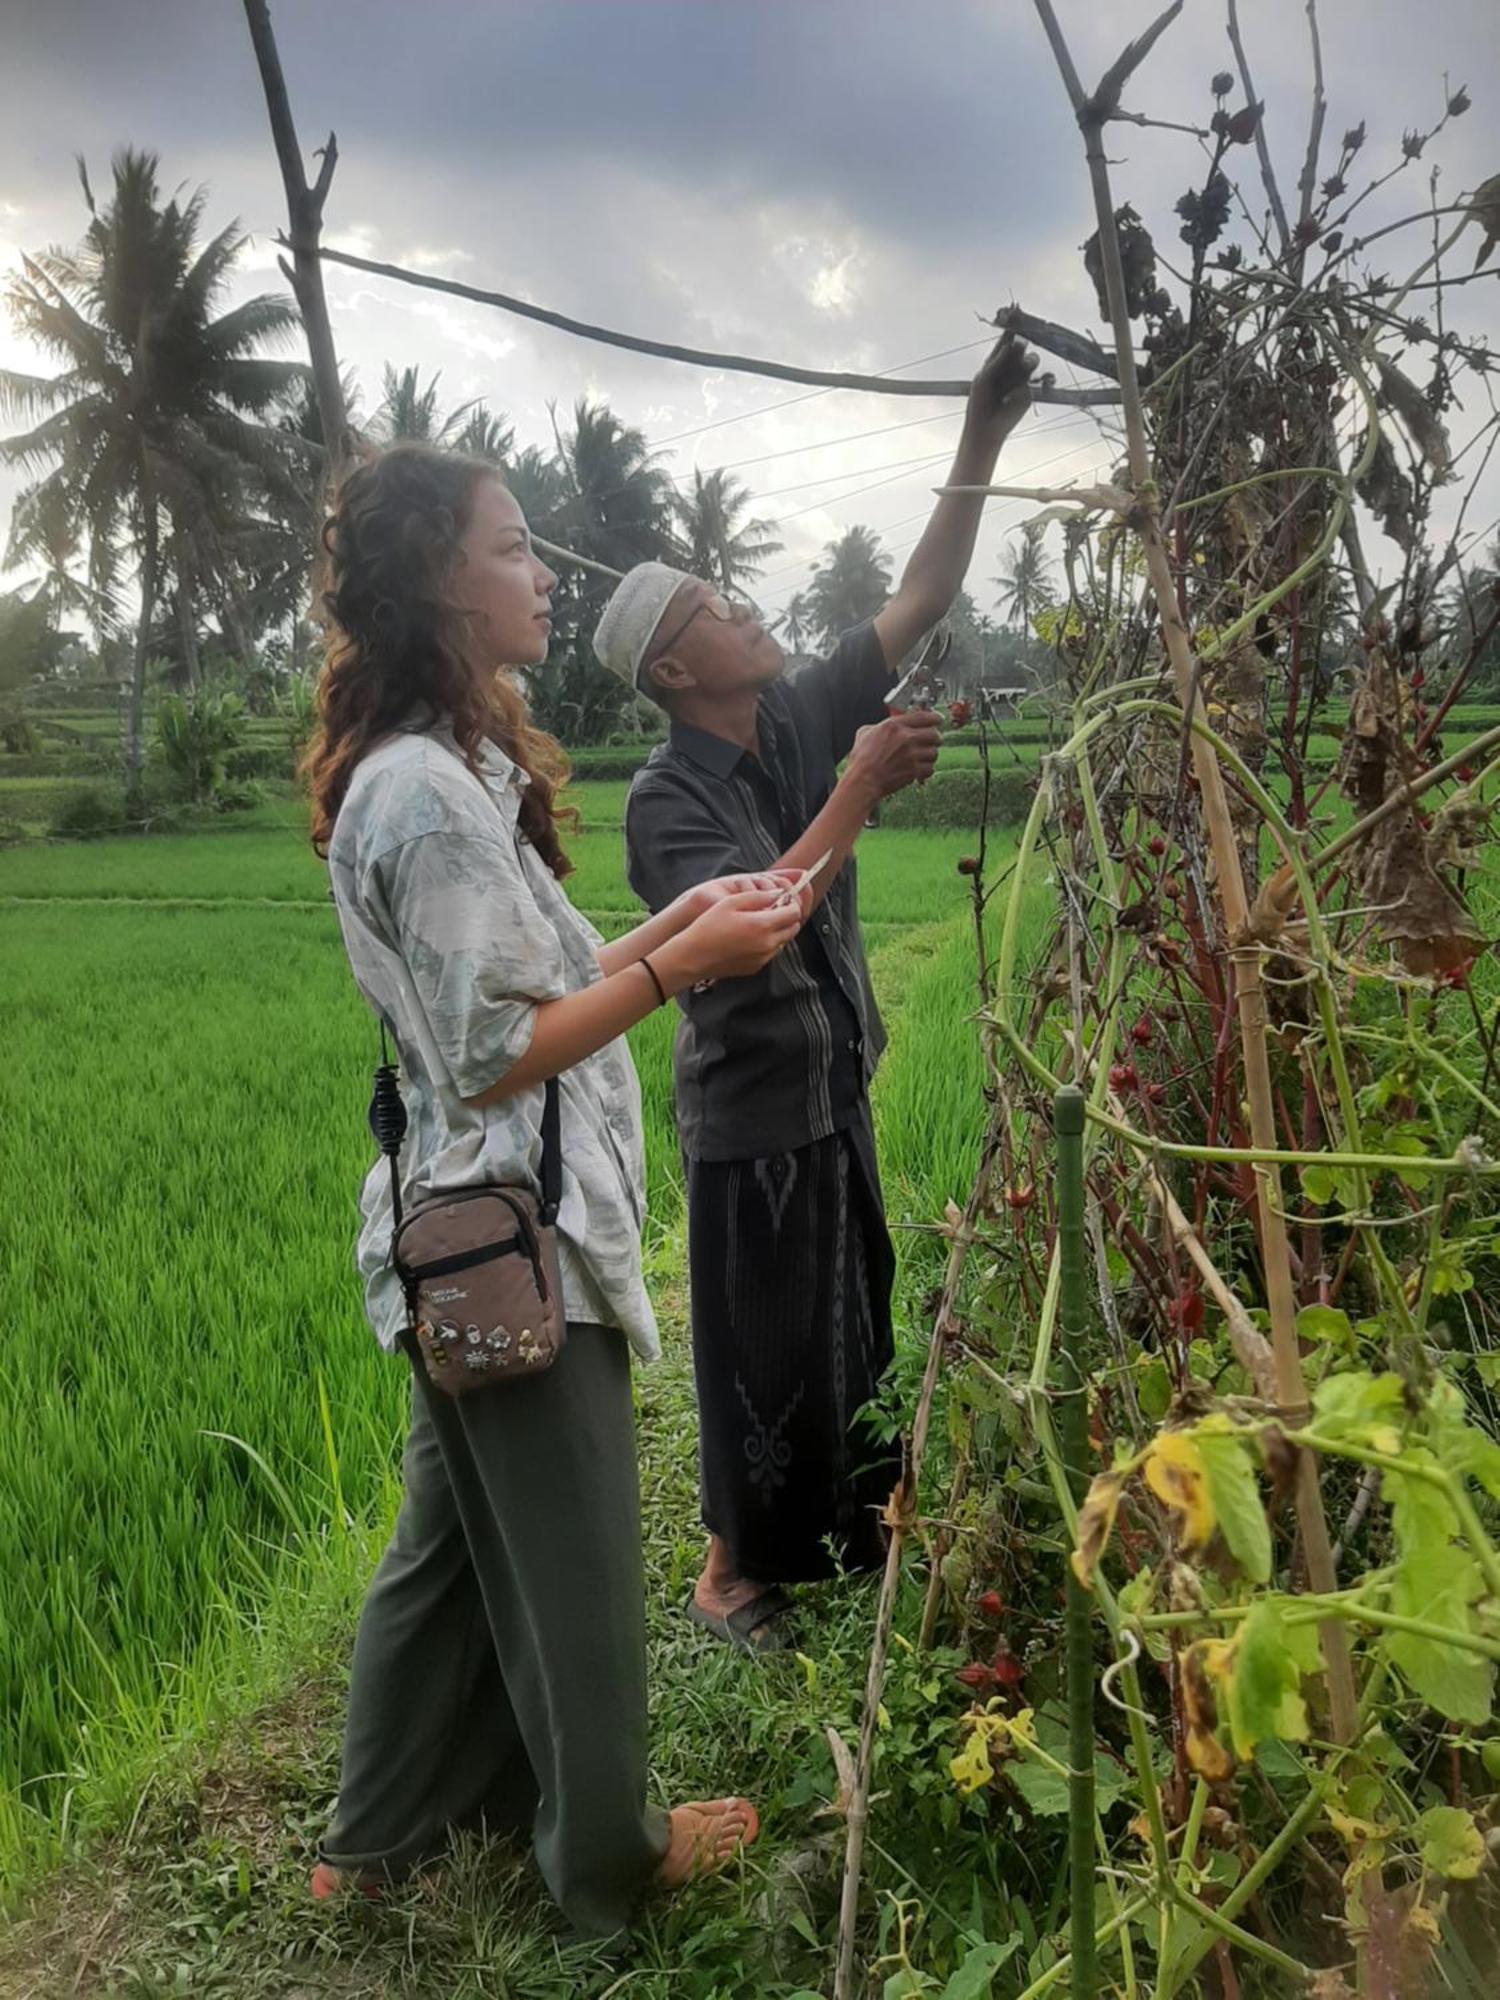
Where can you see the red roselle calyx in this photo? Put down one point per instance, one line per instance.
(1123, 1078)
(1142, 1032)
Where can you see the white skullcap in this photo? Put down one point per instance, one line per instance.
(632, 616)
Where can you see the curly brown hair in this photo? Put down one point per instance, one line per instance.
(398, 647)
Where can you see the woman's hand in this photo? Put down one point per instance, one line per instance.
(739, 934)
(705, 896)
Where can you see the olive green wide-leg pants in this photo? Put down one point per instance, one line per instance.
(499, 1673)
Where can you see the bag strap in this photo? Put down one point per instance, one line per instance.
(387, 1116)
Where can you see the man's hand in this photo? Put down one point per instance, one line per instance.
(893, 754)
(705, 896)
(1000, 394)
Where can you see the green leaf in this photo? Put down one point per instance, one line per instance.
(1264, 1683)
(1046, 1791)
(1235, 1494)
(1438, 1586)
(1355, 1404)
(905, 1985)
(1327, 1323)
(973, 1978)
(1451, 1843)
(1421, 1513)
(1319, 1184)
(1155, 1389)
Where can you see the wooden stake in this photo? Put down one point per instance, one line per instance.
(305, 272)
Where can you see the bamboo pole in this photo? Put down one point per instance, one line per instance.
(1245, 952)
(1073, 1436)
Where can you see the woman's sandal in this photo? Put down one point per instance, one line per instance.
(760, 1625)
(327, 1882)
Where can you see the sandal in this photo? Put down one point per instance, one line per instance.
(326, 1882)
(759, 1625)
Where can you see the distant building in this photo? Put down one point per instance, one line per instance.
(1002, 701)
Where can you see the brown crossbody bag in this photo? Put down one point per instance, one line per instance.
(479, 1266)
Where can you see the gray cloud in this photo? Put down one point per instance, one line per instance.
(844, 182)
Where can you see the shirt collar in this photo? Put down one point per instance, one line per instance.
(500, 775)
(717, 755)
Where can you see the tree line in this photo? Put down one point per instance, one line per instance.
(173, 468)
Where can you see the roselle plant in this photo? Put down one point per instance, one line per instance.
(1268, 966)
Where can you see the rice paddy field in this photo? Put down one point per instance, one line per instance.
(199, 1430)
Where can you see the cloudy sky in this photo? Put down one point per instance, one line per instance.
(843, 183)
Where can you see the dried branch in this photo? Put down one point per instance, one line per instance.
(1062, 341)
(699, 357)
(1106, 98)
(305, 219)
(1088, 498)
(1262, 146)
(1308, 181)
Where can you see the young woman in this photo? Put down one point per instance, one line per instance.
(499, 1669)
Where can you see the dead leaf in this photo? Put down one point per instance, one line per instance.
(1419, 913)
(843, 1765)
(1330, 1984)
(1484, 208)
(1386, 491)
(1418, 418)
(1207, 1755)
(1096, 1520)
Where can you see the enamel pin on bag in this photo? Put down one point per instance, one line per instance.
(478, 1266)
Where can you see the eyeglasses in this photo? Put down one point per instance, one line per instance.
(726, 610)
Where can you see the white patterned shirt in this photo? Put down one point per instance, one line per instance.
(456, 931)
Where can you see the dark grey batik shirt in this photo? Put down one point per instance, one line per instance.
(767, 1064)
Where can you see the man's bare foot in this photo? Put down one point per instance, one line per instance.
(703, 1835)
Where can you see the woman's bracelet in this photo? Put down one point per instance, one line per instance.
(651, 974)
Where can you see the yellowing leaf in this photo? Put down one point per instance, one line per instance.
(1096, 1520)
(971, 1768)
(1176, 1474)
(1206, 1753)
(1451, 1842)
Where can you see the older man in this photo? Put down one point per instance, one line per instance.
(790, 1262)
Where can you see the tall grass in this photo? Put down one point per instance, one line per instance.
(183, 1100)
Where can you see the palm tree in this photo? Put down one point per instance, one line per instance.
(723, 547)
(849, 585)
(1025, 581)
(617, 505)
(485, 435)
(604, 496)
(408, 412)
(160, 428)
(795, 622)
(44, 535)
(1469, 608)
